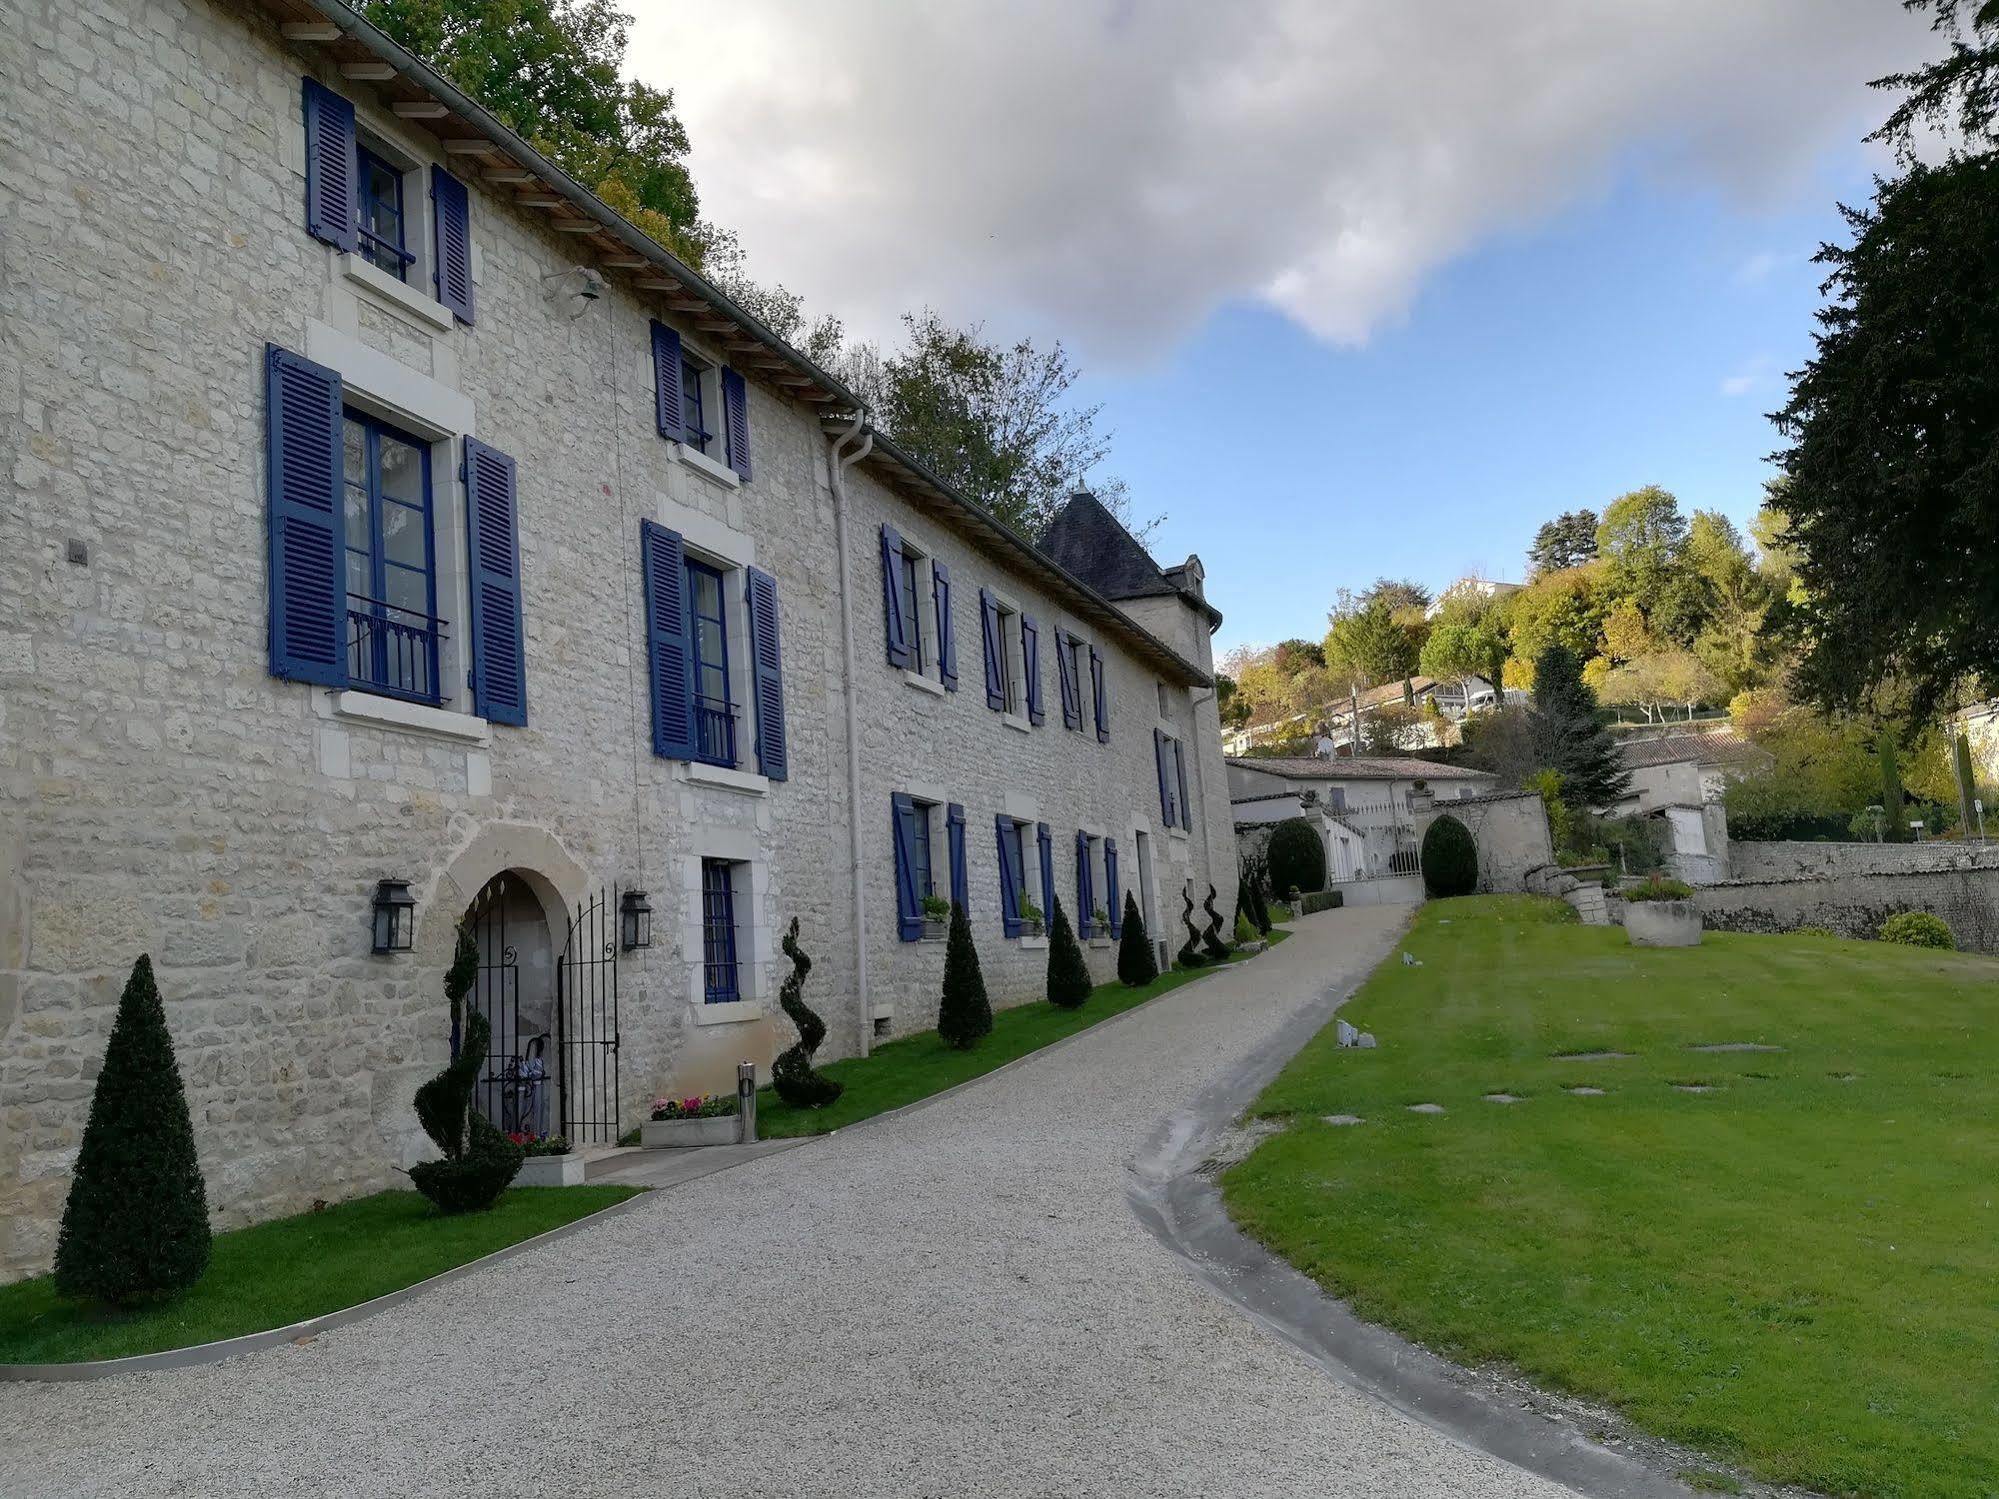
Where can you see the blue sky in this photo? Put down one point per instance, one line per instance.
(1640, 338)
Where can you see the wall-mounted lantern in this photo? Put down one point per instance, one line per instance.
(395, 917)
(635, 920)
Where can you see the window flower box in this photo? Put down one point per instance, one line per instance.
(936, 918)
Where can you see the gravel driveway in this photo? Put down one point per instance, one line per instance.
(955, 1301)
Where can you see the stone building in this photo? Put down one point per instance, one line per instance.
(386, 517)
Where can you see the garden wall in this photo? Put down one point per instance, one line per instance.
(1794, 860)
(1511, 830)
(1855, 905)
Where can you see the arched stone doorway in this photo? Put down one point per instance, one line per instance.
(516, 992)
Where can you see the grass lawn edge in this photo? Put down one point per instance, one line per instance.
(217, 1350)
(767, 1102)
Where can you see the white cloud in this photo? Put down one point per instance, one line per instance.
(1112, 170)
(1759, 266)
(1751, 376)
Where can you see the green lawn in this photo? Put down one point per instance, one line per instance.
(1797, 1272)
(913, 1067)
(291, 1268)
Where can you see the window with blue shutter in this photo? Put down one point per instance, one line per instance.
(903, 831)
(720, 979)
(663, 562)
(1065, 670)
(451, 224)
(332, 167)
(1159, 757)
(1044, 844)
(767, 672)
(1113, 899)
(303, 475)
(892, 606)
(947, 636)
(381, 230)
(1099, 694)
(390, 563)
(954, 829)
(989, 632)
(1030, 664)
(1185, 807)
(499, 679)
(1085, 901)
(736, 422)
(1011, 879)
(667, 402)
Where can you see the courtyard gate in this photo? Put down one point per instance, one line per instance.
(586, 1024)
(511, 1089)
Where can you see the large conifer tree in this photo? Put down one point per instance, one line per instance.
(1570, 737)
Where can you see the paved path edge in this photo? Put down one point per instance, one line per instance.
(1181, 1207)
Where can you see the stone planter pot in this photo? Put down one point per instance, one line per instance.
(934, 928)
(1662, 923)
(679, 1134)
(1030, 929)
(551, 1171)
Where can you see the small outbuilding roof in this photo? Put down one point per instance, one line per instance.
(1363, 768)
(1723, 748)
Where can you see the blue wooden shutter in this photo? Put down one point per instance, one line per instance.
(989, 632)
(1180, 777)
(767, 672)
(1097, 693)
(451, 221)
(332, 167)
(1113, 900)
(1065, 672)
(1010, 876)
(308, 624)
(899, 653)
(1165, 786)
(1085, 903)
(1044, 844)
(954, 827)
(499, 677)
(902, 832)
(736, 422)
(1030, 662)
(947, 634)
(663, 558)
(666, 394)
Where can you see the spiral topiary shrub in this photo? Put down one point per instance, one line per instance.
(1918, 929)
(135, 1227)
(1068, 975)
(1189, 955)
(964, 1014)
(1297, 857)
(1136, 966)
(1450, 859)
(791, 1075)
(478, 1160)
(1211, 939)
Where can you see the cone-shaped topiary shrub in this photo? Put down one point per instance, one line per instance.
(1450, 859)
(136, 1223)
(1136, 965)
(964, 1016)
(1068, 975)
(1211, 940)
(791, 1075)
(1189, 955)
(478, 1161)
(1297, 857)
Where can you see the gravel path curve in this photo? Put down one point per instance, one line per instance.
(955, 1301)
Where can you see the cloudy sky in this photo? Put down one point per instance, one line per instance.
(1399, 279)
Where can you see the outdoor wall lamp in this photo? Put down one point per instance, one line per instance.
(395, 917)
(635, 920)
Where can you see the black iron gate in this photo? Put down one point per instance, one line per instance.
(512, 1087)
(586, 1024)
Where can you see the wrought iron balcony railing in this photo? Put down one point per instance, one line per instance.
(392, 650)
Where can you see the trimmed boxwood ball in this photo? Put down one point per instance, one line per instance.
(964, 1015)
(1136, 966)
(1068, 975)
(791, 1075)
(1918, 929)
(135, 1227)
(1297, 857)
(1450, 859)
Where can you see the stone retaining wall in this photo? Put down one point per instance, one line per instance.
(1855, 905)
(1796, 860)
